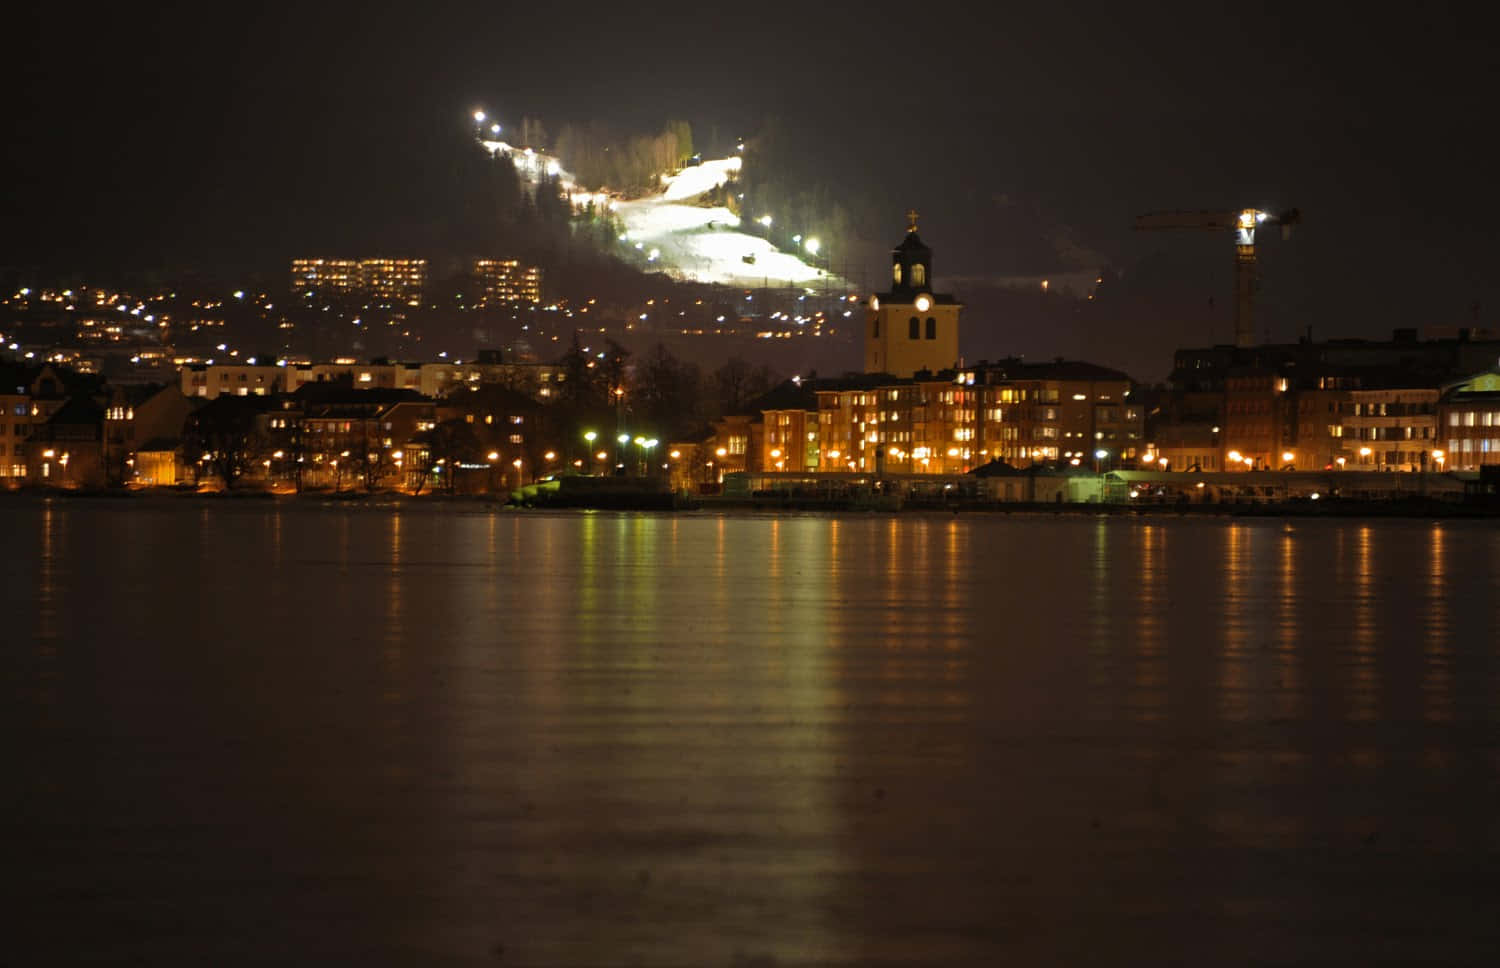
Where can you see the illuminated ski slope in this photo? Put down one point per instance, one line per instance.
(705, 244)
(684, 239)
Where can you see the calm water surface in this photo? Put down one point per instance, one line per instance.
(244, 734)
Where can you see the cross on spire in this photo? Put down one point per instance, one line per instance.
(911, 215)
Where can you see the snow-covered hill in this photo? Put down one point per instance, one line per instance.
(689, 241)
(705, 244)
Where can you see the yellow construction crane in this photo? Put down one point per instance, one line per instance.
(1242, 223)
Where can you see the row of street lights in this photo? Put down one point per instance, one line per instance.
(646, 445)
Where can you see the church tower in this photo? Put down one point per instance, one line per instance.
(910, 327)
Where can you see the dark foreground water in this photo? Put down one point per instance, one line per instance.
(241, 735)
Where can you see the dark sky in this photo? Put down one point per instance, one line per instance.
(1028, 135)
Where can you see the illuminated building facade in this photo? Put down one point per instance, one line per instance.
(28, 399)
(15, 426)
(325, 278)
(1469, 424)
(1387, 430)
(208, 381)
(1064, 413)
(139, 418)
(1346, 404)
(393, 281)
(504, 282)
(386, 281)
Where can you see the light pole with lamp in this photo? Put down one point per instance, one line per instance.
(623, 440)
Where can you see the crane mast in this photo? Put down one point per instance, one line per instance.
(1242, 223)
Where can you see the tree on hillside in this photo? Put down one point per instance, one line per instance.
(583, 381)
(682, 132)
(615, 365)
(737, 383)
(668, 392)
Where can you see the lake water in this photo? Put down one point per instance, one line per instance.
(246, 733)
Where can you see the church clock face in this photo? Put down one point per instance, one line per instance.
(923, 303)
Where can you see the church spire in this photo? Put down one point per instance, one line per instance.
(911, 261)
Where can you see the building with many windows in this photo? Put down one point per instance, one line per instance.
(503, 282)
(1388, 429)
(1063, 413)
(29, 396)
(325, 278)
(209, 381)
(385, 281)
(1468, 423)
(394, 281)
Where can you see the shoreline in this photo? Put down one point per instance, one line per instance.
(1415, 508)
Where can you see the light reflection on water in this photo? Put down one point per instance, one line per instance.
(743, 740)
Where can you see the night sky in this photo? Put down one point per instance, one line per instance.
(1029, 136)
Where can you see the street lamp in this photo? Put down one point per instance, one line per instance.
(623, 440)
(588, 438)
(493, 456)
